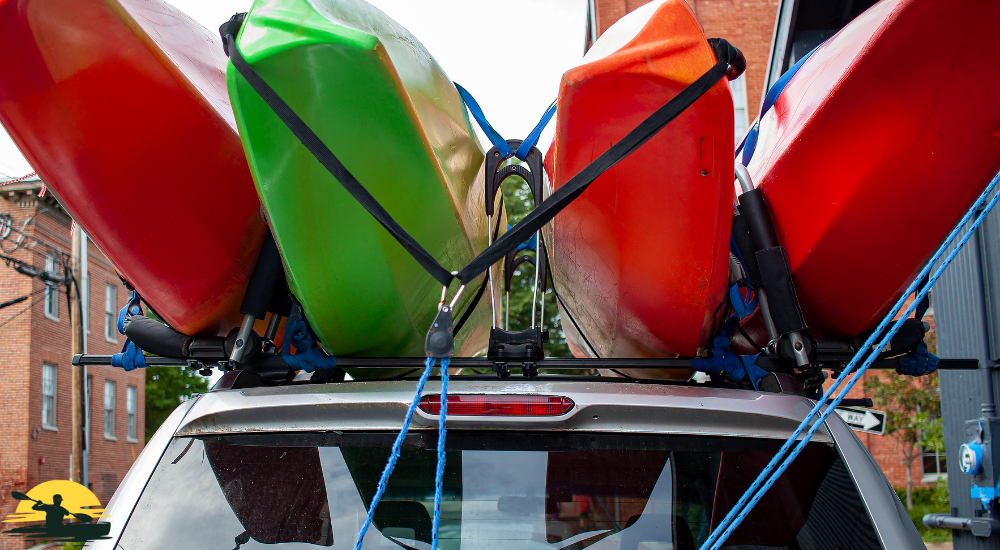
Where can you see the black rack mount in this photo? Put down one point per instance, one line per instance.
(264, 363)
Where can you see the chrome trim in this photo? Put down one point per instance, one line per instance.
(746, 184)
(622, 407)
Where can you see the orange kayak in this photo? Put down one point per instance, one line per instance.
(121, 107)
(640, 259)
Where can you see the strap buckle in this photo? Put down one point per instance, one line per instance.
(440, 341)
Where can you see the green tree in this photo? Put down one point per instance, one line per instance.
(913, 417)
(518, 202)
(167, 387)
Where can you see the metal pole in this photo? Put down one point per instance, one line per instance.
(85, 313)
(493, 302)
(78, 385)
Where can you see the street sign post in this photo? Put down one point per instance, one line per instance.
(863, 420)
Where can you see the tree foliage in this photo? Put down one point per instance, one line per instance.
(518, 201)
(167, 387)
(913, 417)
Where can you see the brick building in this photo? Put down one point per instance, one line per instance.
(751, 25)
(35, 358)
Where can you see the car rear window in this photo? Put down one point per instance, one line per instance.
(501, 490)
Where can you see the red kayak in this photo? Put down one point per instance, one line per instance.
(121, 107)
(874, 150)
(640, 259)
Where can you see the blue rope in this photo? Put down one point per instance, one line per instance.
(498, 141)
(398, 443)
(131, 357)
(439, 474)
(307, 356)
(779, 464)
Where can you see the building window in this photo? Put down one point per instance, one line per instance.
(740, 111)
(49, 396)
(109, 409)
(934, 465)
(51, 291)
(131, 400)
(110, 315)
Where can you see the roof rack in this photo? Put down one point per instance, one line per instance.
(272, 364)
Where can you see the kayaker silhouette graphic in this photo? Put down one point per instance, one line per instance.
(54, 513)
(79, 503)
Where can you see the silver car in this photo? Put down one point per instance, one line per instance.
(549, 463)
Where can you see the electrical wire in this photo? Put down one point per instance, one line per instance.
(31, 305)
(25, 237)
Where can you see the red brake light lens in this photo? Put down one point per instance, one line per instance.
(498, 405)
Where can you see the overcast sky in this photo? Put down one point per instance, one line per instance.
(477, 42)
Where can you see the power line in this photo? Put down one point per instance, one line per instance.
(31, 305)
(7, 225)
(30, 270)
(15, 301)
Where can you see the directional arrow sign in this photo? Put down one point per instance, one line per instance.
(863, 420)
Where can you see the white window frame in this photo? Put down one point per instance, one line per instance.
(741, 108)
(111, 313)
(931, 477)
(51, 291)
(50, 392)
(110, 388)
(131, 413)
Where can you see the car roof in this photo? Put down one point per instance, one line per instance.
(600, 406)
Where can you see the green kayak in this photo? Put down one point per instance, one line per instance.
(381, 103)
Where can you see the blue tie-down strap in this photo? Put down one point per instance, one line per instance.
(131, 357)
(477, 113)
(722, 361)
(918, 362)
(742, 306)
(307, 356)
(529, 244)
(536, 132)
(498, 141)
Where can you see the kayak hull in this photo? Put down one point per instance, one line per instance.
(379, 101)
(640, 258)
(866, 162)
(120, 106)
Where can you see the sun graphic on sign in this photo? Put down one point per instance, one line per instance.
(76, 499)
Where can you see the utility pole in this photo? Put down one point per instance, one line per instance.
(78, 383)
